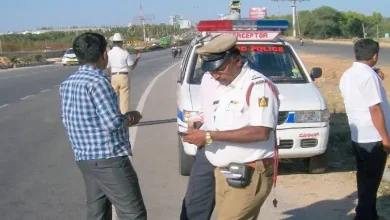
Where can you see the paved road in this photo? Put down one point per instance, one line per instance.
(338, 50)
(19, 84)
(38, 178)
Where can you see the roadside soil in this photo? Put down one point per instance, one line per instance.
(338, 184)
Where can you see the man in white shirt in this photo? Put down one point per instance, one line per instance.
(119, 65)
(245, 115)
(368, 114)
(199, 200)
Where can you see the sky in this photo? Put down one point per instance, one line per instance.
(19, 15)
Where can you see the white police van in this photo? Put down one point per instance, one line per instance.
(303, 124)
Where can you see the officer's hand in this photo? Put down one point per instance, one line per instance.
(135, 116)
(192, 121)
(138, 55)
(381, 74)
(195, 136)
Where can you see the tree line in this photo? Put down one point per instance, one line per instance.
(326, 22)
(59, 40)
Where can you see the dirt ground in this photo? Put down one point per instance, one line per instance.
(338, 184)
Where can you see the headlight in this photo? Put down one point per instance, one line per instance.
(312, 116)
(188, 114)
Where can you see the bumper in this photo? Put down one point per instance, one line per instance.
(70, 61)
(303, 142)
(293, 143)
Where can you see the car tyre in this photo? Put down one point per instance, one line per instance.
(317, 164)
(185, 161)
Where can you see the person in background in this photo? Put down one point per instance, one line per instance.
(99, 135)
(119, 65)
(368, 114)
(199, 200)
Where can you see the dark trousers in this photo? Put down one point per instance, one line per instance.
(112, 181)
(370, 162)
(199, 200)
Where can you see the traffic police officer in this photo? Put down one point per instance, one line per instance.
(119, 65)
(242, 146)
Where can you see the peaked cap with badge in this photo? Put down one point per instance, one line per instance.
(214, 53)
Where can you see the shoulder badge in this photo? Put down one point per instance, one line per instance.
(263, 101)
(256, 79)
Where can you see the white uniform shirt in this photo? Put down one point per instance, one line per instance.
(361, 87)
(232, 112)
(119, 60)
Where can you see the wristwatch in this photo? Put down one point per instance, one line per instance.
(208, 138)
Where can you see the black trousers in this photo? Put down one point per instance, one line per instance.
(112, 181)
(370, 162)
(199, 201)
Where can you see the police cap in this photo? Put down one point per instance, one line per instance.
(216, 51)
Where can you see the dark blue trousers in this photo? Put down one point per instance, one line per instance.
(199, 200)
(370, 162)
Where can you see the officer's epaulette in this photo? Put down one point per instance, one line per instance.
(256, 79)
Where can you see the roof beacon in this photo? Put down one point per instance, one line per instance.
(245, 30)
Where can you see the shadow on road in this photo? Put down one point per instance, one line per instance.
(341, 209)
(339, 153)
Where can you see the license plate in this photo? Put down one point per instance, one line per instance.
(307, 116)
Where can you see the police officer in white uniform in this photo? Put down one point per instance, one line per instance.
(119, 65)
(242, 144)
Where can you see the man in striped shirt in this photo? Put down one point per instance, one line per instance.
(99, 135)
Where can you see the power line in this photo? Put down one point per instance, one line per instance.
(143, 18)
(294, 12)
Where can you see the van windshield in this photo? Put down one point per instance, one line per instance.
(277, 62)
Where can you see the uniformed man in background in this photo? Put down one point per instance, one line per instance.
(119, 66)
(242, 144)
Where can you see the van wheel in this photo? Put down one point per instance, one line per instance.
(317, 164)
(185, 161)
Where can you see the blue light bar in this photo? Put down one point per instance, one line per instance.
(274, 24)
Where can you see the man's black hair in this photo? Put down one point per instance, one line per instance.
(89, 47)
(235, 52)
(365, 49)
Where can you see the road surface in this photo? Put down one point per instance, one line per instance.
(343, 51)
(39, 179)
(38, 176)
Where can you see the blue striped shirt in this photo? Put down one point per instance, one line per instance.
(91, 116)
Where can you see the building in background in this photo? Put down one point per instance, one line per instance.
(257, 13)
(175, 19)
(184, 24)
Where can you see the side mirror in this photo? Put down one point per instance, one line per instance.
(316, 72)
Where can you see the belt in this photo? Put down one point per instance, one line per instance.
(115, 73)
(267, 162)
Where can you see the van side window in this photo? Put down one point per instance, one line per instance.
(184, 64)
(196, 72)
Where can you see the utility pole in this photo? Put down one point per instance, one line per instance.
(377, 32)
(364, 31)
(143, 18)
(294, 13)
